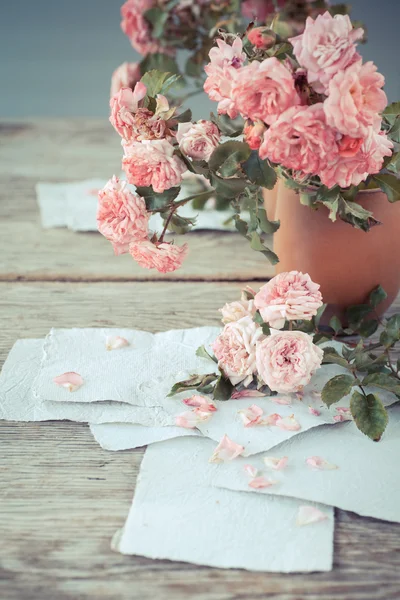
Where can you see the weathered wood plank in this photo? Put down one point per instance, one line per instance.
(74, 149)
(62, 496)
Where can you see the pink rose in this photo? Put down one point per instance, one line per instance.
(259, 9)
(348, 168)
(264, 90)
(235, 349)
(327, 46)
(260, 38)
(254, 133)
(125, 76)
(198, 140)
(121, 216)
(233, 311)
(286, 360)
(355, 99)
(288, 296)
(123, 106)
(221, 72)
(163, 256)
(300, 139)
(152, 163)
(349, 146)
(138, 30)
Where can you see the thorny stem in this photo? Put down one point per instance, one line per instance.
(174, 207)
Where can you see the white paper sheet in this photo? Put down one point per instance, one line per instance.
(123, 436)
(18, 403)
(365, 482)
(74, 205)
(176, 515)
(140, 374)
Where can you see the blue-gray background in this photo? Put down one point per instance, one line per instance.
(56, 56)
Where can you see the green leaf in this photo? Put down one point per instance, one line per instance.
(377, 296)
(265, 225)
(331, 356)
(227, 158)
(159, 62)
(157, 17)
(369, 415)
(178, 224)
(227, 126)
(257, 244)
(394, 133)
(390, 185)
(195, 382)
(259, 171)
(391, 112)
(184, 117)
(318, 316)
(394, 163)
(241, 226)
(203, 353)
(336, 388)
(228, 188)
(156, 200)
(368, 328)
(383, 381)
(223, 389)
(357, 313)
(158, 82)
(335, 324)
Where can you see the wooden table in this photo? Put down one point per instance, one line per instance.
(62, 497)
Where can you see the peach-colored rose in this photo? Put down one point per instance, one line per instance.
(152, 163)
(349, 146)
(286, 360)
(198, 140)
(300, 139)
(233, 311)
(260, 38)
(347, 169)
(235, 349)
(221, 71)
(355, 98)
(288, 296)
(254, 133)
(264, 90)
(125, 76)
(137, 28)
(121, 215)
(327, 46)
(164, 257)
(123, 106)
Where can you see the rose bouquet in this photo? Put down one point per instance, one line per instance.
(307, 110)
(272, 343)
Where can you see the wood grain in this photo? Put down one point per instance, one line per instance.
(63, 150)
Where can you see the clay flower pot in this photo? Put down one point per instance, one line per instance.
(346, 262)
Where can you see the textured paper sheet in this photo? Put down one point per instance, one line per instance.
(140, 374)
(74, 205)
(123, 436)
(18, 403)
(176, 515)
(366, 481)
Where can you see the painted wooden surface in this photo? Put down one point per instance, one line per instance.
(61, 496)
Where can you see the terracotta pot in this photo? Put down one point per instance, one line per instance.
(346, 262)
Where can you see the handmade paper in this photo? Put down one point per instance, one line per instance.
(124, 436)
(140, 374)
(176, 515)
(18, 403)
(365, 482)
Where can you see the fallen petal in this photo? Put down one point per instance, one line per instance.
(261, 482)
(307, 515)
(247, 394)
(284, 400)
(226, 450)
(114, 342)
(202, 415)
(70, 381)
(187, 419)
(250, 470)
(343, 410)
(342, 418)
(288, 424)
(299, 396)
(200, 402)
(320, 464)
(314, 411)
(92, 192)
(276, 464)
(271, 419)
(251, 416)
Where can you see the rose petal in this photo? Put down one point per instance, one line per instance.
(200, 402)
(251, 416)
(314, 411)
(288, 424)
(307, 515)
(92, 192)
(272, 419)
(250, 470)
(247, 394)
(319, 463)
(202, 414)
(70, 381)
(226, 450)
(187, 419)
(342, 418)
(114, 342)
(276, 464)
(343, 409)
(284, 400)
(260, 483)
(299, 396)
